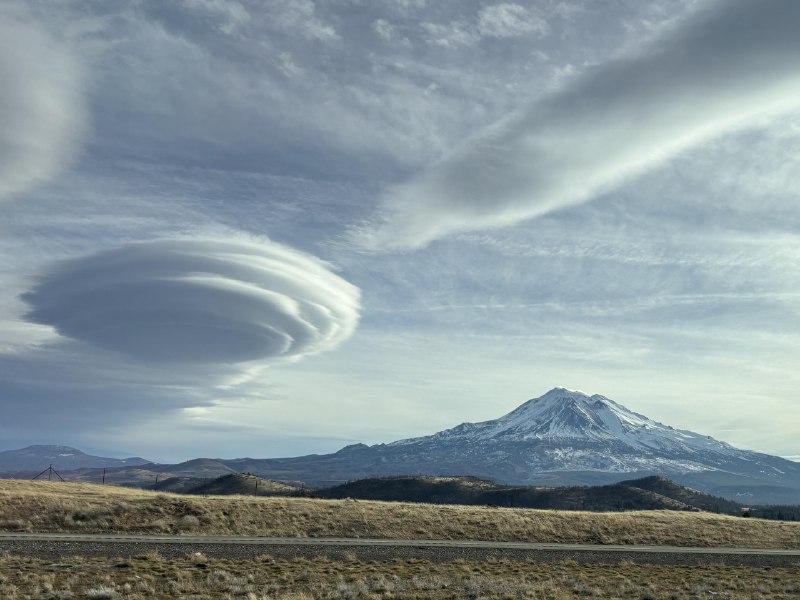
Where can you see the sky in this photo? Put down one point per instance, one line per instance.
(272, 228)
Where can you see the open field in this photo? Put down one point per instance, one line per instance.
(199, 578)
(51, 507)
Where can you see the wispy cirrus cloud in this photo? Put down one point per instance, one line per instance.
(42, 114)
(708, 74)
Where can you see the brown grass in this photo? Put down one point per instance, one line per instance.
(79, 507)
(199, 578)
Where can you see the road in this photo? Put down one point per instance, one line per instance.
(57, 545)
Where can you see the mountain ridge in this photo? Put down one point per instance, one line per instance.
(564, 437)
(39, 456)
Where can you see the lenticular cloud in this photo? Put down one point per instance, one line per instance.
(41, 106)
(198, 301)
(733, 61)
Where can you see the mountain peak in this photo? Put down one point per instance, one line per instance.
(562, 392)
(574, 417)
(563, 413)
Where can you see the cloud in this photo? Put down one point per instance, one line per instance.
(198, 301)
(501, 21)
(42, 117)
(509, 20)
(451, 35)
(69, 387)
(711, 73)
(302, 14)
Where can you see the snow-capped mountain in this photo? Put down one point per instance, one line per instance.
(567, 430)
(562, 438)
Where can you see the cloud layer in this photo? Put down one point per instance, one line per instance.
(198, 301)
(41, 106)
(707, 75)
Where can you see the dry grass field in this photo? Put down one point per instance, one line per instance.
(55, 506)
(198, 578)
(50, 506)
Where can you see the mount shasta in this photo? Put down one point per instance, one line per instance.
(562, 438)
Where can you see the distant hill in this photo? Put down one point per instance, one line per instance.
(650, 493)
(63, 458)
(152, 475)
(244, 484)
(686, 495)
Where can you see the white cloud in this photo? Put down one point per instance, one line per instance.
(384, 29)
(42, 116)
(302, 14)
(504, 20)
(232, 14)
(198, 301)
(451, 35)
(388, 32)
(509, 20)
(287, 65)
(705, 76)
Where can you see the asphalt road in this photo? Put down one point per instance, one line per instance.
(59, 545)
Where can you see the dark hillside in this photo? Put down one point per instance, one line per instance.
(701, 500)
(243, 484)
(469, 490)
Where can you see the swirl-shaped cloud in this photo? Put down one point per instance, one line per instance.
(41, 106)
(198, 301)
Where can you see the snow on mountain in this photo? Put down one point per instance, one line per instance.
(567, 416)
(567, 430)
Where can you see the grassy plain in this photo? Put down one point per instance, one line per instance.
(78, 507)
(198, 578)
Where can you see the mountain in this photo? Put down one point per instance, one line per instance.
(562, 438)
(37, 458)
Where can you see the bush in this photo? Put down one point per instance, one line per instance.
(187, 522)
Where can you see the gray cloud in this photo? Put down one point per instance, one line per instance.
(198, 301)
(41, 106)
(707, 75)
(70, 387)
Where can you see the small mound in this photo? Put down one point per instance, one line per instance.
(244, 484)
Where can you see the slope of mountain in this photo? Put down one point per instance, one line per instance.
(562, 438)
(37, 458)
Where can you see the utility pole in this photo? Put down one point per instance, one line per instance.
(49, 470)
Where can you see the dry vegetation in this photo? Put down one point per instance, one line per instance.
(50, 506)
(198, 578)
